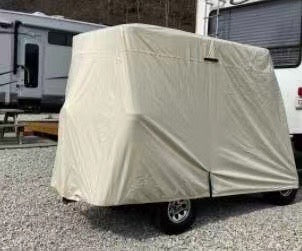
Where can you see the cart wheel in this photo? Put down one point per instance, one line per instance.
(67, 201)
(281, 198)
(176, 216)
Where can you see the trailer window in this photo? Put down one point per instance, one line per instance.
(273, 24)
(31, 71)
(60, 38)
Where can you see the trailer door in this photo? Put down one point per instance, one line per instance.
(6, 80)
(32, 61)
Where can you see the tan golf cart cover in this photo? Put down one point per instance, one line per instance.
(154, 114)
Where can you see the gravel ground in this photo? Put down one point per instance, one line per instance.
(32, 216)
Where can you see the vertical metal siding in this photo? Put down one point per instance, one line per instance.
(275, 25)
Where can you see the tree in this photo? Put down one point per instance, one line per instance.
(171, 13)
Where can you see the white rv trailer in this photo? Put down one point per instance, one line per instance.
(273, 24)
(35, 54)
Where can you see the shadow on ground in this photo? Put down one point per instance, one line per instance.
(137, 221)
(11, 142)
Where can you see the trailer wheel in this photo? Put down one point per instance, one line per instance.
(176, 217)
(281, 198)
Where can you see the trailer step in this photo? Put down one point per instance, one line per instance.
(47, 128)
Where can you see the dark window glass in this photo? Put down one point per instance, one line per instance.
(60, 38)
(31, 71)
(275, 25)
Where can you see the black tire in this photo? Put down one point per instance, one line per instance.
(281, 198)
(67, 201)
(170, 226)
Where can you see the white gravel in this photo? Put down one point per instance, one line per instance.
(32, 216)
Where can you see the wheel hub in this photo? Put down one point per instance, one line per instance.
(286, 193)
(178, 211)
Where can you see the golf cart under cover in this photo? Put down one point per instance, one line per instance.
(154, 114)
